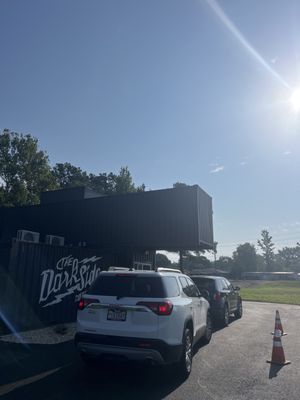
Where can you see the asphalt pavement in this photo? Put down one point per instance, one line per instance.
(233, 366)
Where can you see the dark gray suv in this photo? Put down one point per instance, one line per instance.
(224, 299)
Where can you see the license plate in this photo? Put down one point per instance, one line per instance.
(114, 314)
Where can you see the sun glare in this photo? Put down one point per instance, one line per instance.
(295, 100)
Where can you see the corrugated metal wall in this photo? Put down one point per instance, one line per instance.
(205, 218)
(164, 219)
(44, 281)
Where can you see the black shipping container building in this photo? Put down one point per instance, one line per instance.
(51, 252)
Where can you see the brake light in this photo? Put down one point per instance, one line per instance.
(165, 308)
(217, 296)
(159, 308)
(85, 302)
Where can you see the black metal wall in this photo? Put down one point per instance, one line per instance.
(44, 282)
(168, 219)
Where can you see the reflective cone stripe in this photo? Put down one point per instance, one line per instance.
(278, 356)
(278, 324)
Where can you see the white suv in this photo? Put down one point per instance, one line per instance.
(143, 315)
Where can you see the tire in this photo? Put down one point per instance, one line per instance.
(184, 366)
(208, 331)
(239, 312)
(225, 316)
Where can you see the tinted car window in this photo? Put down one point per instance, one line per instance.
(188, 287)
(171, 286)
(185, 285)
(223, 284)
(194, 292)
(229, 285)
(205, 283)
(127, 286)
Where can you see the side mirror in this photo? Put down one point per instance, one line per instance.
(204, 293)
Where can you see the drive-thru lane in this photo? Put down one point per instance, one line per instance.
(232, 366)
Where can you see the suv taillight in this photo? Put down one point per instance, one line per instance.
(159, 308)
(217, 296)
(85, 302)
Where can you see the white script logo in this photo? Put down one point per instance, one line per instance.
(70, 275)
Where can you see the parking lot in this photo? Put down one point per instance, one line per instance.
(232, 366)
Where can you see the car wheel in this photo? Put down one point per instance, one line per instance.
(225, 316)
(185, 363)
(208, 331)
(239, 312)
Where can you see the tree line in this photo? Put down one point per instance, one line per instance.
(25, 172)
(244, 259)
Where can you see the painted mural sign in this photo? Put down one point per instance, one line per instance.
(69, 276)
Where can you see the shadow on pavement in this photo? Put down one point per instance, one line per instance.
(36, 371)
(274, 369)
(217, 327)
(19, 361)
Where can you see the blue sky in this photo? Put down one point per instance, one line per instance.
(178, 90)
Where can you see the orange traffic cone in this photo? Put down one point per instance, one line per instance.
(278, 356)
(278, 324)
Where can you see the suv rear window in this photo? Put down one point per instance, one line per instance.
(128, 286)
(171, 286)
(205, 283)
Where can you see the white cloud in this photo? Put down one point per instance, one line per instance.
(242, 163)
(286, 153)
(219, 168)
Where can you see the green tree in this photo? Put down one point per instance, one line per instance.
(179, 185)
(103, 183)
(124, 182)
(215, 251)
(24, 169)
(289, 258)
(260, 263)
(244, 260)
(161, 260)
(267, 247)
(67, 175)
(224, 263)
(195, 260)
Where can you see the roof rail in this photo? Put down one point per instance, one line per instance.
(160, 269)
(119, 269)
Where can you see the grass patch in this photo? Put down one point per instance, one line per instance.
(275, 292)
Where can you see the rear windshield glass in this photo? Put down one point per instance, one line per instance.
(127, 286)
(171, 286)
(204, 283)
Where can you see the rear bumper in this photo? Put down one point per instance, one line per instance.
(138, 349)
